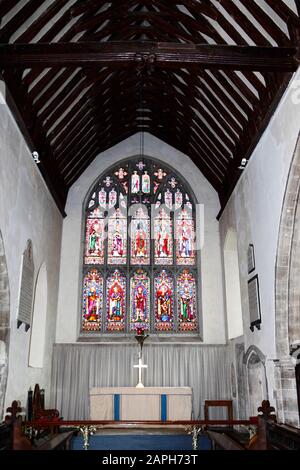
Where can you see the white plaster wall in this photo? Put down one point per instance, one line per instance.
(233, 288)
(27, 211)
(211, 272)
(38, 325)
(254, 211)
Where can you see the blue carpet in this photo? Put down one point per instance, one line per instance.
(141, 442)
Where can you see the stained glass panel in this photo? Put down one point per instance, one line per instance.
(135, 183)
(163, 243)
(140, 301)
(186, 298)
(92, 301)
(146, 183)
(115, 302)
(164, 302)
(185, 239)
(117, 238)
(94, 238)
(140, 238)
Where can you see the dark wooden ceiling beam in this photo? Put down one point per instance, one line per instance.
(50, 35)
(170, 55)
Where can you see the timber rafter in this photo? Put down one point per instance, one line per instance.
(211, 75)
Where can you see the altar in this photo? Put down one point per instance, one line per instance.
(141, 404)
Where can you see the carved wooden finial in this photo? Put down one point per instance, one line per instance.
(266, 410)
(14, 410)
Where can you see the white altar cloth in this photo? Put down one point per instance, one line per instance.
(149, 403)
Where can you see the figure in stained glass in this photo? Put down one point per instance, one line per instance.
(92, 301)
(116, 295)
(146, 183)
(168, 199)
(140, 238)
(112, 198)
(135, 183)
(139, 300)
(178, 199)
(163, 239)
(163, 302)
(102, 198)
(117, 243)
(186, 292)
(94, 244)
(184, 234)
(117, 238)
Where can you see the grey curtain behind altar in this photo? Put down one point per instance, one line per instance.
(76, 368)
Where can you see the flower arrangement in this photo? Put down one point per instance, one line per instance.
(141, 336)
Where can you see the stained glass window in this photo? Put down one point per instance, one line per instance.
(92, 301)
(140, 301)
(140, 259)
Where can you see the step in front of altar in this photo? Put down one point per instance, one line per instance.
(141, 440)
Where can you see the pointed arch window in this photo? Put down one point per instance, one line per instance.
(140, 267)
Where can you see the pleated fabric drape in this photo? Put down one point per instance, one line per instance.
(76, 368)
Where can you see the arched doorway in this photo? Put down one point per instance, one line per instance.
(287, 298)
(4, 325)
(256, 379)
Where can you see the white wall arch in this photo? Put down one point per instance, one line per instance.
(232, 286)
(71, 259)
(287, 297)
(38, 329)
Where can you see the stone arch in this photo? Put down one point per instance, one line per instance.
(287, 297)
(256, 376)
(4, 324)
(232, 286)
(38, 329)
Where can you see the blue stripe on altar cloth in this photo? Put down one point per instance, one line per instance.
(117, 407)
(163, 413)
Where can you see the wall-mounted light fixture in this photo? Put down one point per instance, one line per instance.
(243, 164)
(36, 156)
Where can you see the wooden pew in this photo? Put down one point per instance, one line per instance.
(270, 435)
(12, 437)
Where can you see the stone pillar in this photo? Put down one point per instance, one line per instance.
(286, 392)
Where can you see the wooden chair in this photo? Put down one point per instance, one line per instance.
(39, 413)
(218, 403)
